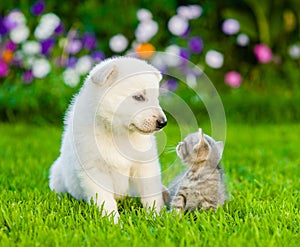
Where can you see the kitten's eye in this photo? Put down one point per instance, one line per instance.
(139, 97)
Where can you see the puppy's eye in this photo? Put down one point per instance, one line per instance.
(139, 97)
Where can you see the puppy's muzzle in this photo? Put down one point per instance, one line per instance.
(161, 122)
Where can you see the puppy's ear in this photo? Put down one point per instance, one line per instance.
(105, 75)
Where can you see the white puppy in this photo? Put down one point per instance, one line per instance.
(108, 148)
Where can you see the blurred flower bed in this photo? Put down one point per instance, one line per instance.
(241, 46)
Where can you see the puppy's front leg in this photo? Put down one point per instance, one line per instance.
(101, 191)
(154, 201)
(148, 185)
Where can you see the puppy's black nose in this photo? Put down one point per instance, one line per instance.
(161, 122)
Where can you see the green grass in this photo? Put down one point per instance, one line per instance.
(263, 176)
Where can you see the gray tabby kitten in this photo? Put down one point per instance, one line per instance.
(202, 186)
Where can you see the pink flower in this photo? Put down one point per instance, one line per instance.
(3, 69)
(233, 79)
(263, 53)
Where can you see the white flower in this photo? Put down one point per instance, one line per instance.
(172, 56)
(158, 61)
(195, 10)
(42, 32)
(118, 43)
(214, 59)
(191, 80)
(19, 34)
(131, 52)
(71, 77)
(50, 19)
(174, 49)
(84, 65)
(178, 25)
(146, 30)
(31, 47)
(48, 24)
(190, 12)
(294, 51)
(183, 11)
(40, 68)
(242, 39)
(144, 14)
(17, 18)
(230, 26)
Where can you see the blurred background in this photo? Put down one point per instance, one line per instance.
(249, 49)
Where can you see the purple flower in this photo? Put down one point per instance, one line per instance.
(3, 69)
(38, 7)
(9, 23)
(172, 84)
(27, 76)
(14, 19)
(184, 55)
(47, 46)
(11, 46)
(98, 56)
(196, 45)
(71, 62)
(59, 29)
(17, 62)
(233, 79)
(186, 33)
(3, 29)
(89, 41)
(263, 53)
(74, 46)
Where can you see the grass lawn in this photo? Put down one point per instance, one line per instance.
(262, 166)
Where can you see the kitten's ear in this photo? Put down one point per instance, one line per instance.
(105, 75)
(201, 140)
(201, 147)
(220, 147)
(200, 131)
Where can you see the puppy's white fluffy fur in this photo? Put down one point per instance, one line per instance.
(108, 149)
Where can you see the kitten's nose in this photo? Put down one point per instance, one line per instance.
(161, 122)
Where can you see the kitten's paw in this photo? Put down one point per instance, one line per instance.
(179, 211)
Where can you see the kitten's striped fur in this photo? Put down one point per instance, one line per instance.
(202, 186)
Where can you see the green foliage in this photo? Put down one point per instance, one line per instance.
(46, 101)
(262, 167)
(275, 23)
